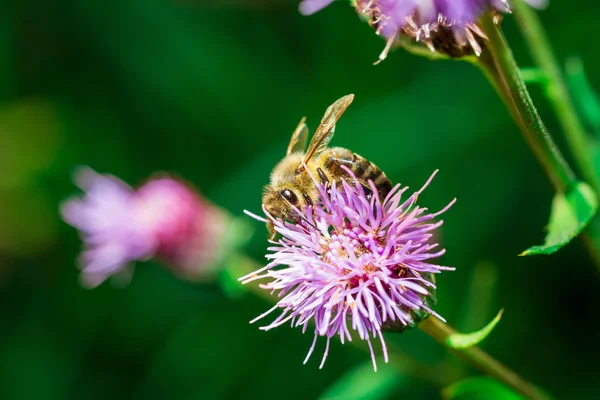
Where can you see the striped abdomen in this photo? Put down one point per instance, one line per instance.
(336, 157)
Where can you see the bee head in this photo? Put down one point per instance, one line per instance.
(280, 203)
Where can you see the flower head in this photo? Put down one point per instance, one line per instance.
(447, 26)
(353, 264)
(164, 218)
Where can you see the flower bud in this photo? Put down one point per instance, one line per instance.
(449, 27)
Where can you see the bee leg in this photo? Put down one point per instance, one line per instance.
(307, 199)
(322, 176)
(368, 192)
(272, 232)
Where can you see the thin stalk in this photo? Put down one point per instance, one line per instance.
(499, 66)
(558, 95)
(481, 360)
(476, 310)
(240, 265)
(556, 90)
(501, 69)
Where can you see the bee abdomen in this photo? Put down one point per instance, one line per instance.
(367, 171)
(362, 168)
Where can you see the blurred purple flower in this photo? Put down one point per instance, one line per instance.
(164, 218)
(353, 264)
(449, 26)
(308, 7)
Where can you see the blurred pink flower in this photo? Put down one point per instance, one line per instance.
(165, 218)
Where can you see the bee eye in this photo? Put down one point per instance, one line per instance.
(289, 196)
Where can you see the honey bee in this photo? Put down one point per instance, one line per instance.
(292, 187)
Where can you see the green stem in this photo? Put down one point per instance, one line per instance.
(498, 64)
(558, 95)
(481, 360)
(477, 305)
(501, 69)
(556, 89)
(240, 265)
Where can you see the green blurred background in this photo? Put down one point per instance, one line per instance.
(211, 91)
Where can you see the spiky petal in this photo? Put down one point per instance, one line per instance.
(353, 264)
(447, 26)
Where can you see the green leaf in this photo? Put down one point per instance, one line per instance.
(534, 75)
(464, 340)
(230, 285)
(584, 96)
(238, 233)
(479, 296)
(364, 383)
(571, 212)
(228, 277)
(479, 388)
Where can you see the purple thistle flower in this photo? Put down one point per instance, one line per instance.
(449, 26)
(164, 218)
(353, 264)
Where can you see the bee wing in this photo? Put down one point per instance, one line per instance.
(299, 138)
(326, 129)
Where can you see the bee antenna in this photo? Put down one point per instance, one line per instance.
(305, 219)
